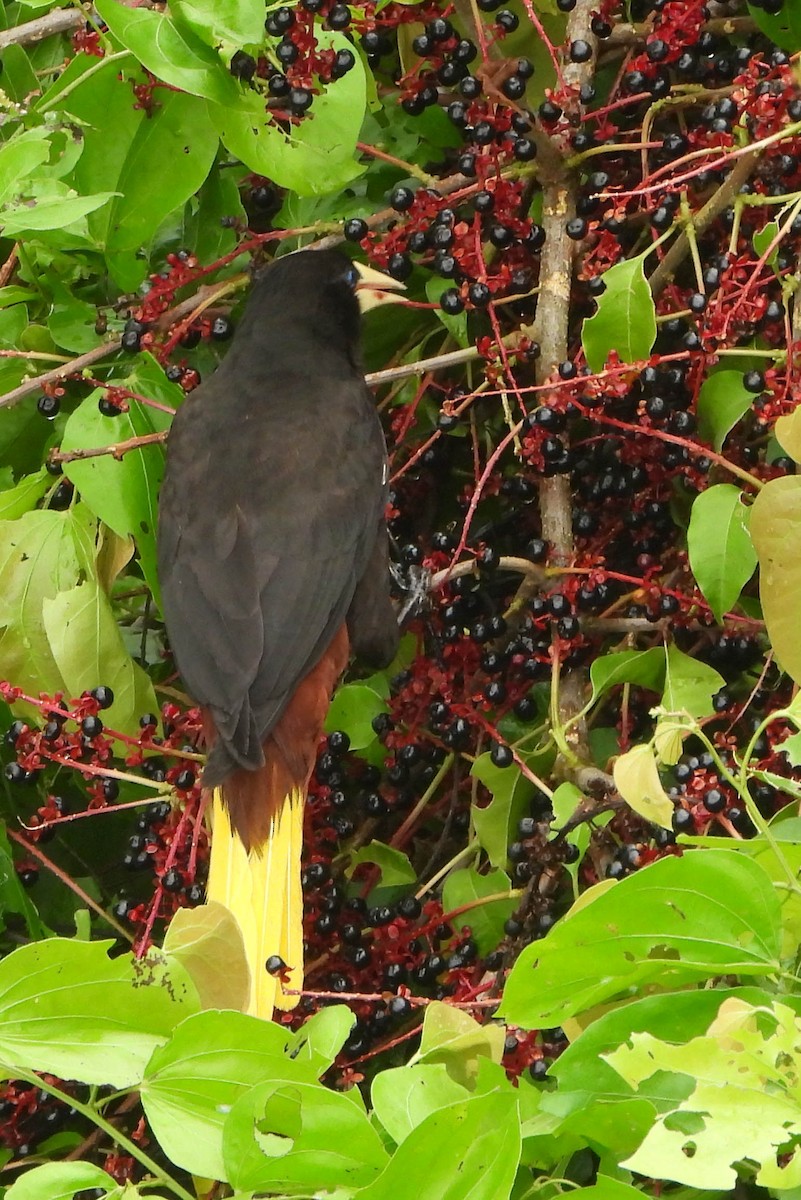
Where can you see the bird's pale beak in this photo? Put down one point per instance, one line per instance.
(375, 288)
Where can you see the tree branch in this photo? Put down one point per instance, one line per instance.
(61, 20)
(723, 197)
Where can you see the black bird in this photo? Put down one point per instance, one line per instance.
(273, 561)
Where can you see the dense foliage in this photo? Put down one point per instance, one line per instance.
(552, 895)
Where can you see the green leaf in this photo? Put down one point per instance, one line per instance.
(511, 792)
(123, 493)
(353, 710)
(677, 921)
(394, 865)
(211, 228)
(59, 1181)
(455, 325)
(689, 685)
(626, 318)
(71, 323)
(722, 401)
(788, 432)
(207, 942)
(486, 920)
(456, 1040)
(791, 746)
(321, 1037)
(584, 1076)
(722, 555)
(19, 78)
(404, 1096)
(565, 801)
(23, 498)
(606, 1188)
(300, 1138)
(41, 554)
(53, 212)
(763, 238)
(67, 1008)
(173, 54)
(215, 21)
(88, 649)
(592, 1103)
(13, 896)
(784, 28)
(646, 668)
(776, 533)
(316, 157)
(468, 1151)
(192, 1083)
(19, 158)
(175, 132)
(637, 779)
(745, 1103)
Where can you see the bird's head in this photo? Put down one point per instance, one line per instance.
(325, 292)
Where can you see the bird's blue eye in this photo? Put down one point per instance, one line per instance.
(351, 277)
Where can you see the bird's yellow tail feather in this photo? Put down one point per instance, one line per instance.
(263, 891)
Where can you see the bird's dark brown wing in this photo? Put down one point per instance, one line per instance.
(372, 622)
(270, 510)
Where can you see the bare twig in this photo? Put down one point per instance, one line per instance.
(75, 365)
(723, 197)
(116, 450)
(69, 882)
(7, 269)
(61, 20)
(437, 362)
(631, 35)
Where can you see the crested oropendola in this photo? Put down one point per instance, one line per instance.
(274, 568)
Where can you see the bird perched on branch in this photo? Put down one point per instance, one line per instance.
(273, 561)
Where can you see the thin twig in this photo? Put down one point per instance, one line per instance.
(69, 882)
(61, 20)
(72, 367)
(437, 362)
(117, 449)
(723, 197)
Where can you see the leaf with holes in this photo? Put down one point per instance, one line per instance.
(510, 791)
(745, 1103)
(67, 1008)
(783, 28)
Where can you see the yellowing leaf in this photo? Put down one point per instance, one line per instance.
(776, 533)
(788, 433)
(207, 942)
(745, 1103)
(669, 739)
(637, 780)
(452, 1037)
